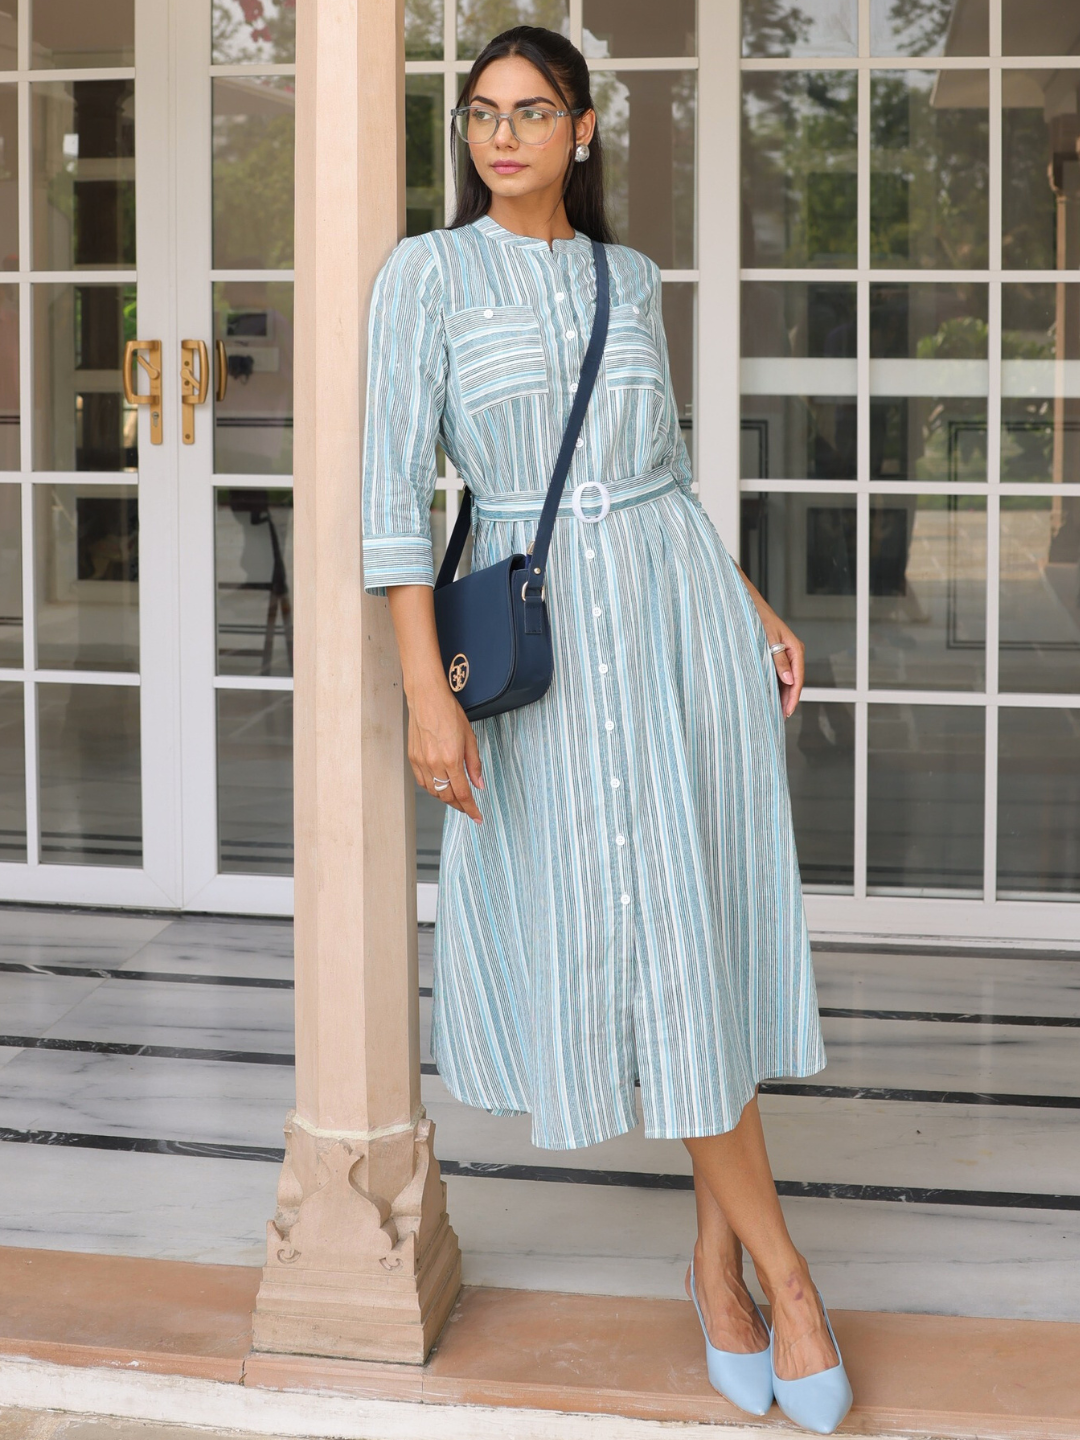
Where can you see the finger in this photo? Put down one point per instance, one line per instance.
(782, 661)
(472, 759)
(794, 690)
(462, 790)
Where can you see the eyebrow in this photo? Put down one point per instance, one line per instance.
(532, 100)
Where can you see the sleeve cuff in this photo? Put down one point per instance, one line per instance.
(396, 560)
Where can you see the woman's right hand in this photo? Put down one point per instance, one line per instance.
(442, 745)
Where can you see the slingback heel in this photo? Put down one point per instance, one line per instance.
(816, 1402)
(745, 1380)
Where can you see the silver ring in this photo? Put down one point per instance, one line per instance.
(439, 784)
(775, 649)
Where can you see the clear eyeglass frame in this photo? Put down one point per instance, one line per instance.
(465, 117)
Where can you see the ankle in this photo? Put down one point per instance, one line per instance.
(787, 1282)
(723, 1260)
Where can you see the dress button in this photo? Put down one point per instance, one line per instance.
(597, 610)
(609, 724)
(579, 443)
(560, 295)
(603, 669)
(589, 554)
(625, 899)
(634, 308)
(615, 782)
(570, 334)
(620, 839)
(489, 314)
(573, 386)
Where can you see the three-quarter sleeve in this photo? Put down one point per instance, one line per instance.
(673, 445)
(406, 388)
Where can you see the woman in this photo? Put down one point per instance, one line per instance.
(619, 898)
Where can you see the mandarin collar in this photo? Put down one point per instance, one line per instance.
(492, 230)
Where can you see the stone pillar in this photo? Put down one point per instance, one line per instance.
(361, 1260)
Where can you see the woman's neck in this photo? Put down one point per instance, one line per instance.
(532, 215)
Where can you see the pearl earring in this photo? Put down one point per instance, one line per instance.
(581, 154)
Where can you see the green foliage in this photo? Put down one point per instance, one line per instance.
(253, 191)
(964, 337)
(481, 20)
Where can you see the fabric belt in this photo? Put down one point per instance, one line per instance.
(589, 496)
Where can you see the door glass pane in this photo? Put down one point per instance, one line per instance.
(253, 548)
(811, 27)
(930, 27)
(798, 168)
(925, 776)
(67, 34)
(1040, 382)
(1040, 169)
(253, 425)
(86, 577)
(254, 31)
(254, 740)
(11, 606)
(89, 775)
(12, 773)
(81, 419)
(611, 27)
(799, 550)
(929, 168)
(928, 592)
(1050, 28)
(424, 29)
(9, 378)
(821, 776)
(9, 175)
(678, 301)
(479, 21)
(430, 815)
(84, 174)
(1038, 803)
(425, 195)
(929, 377)
(646, 120)
(9, 34)
(254, 141)
(1040, 593)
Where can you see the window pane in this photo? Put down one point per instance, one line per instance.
(9, 378)
(1040, 593)
(932, 27)
(81, 419)
(254, 135)
(929, 377)
(9, 29)
(253, 550)
(679, 299)
(12, 773)
(611, 27)
(1040, 170)
(1050, 27)
(646, 119)
(812, 27)
(425, 195)
(798, 168)
(1040, 382)
(253, 425)
(929, 163)
(254, 738)
(799, 550)
(246, 32)
(86, 577)
(424, 29)
(70, 33)
(928, 592)
(83, 174)
(821, 777)
(925, 784)
(479, 21)
(9, 174)
(1038, 803)
(89, 775)
(11, 606)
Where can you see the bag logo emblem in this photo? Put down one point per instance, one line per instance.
(459, 673)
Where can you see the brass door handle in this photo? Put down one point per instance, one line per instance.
(193, 388)
(151, 363)
(222, 370)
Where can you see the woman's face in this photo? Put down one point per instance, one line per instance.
(508, 167)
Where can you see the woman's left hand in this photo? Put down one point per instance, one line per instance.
(790, 662)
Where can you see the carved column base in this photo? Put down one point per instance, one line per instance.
(350, 1273)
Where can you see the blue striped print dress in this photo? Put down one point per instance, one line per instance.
(629, 911)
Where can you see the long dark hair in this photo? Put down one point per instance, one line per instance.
(563, 67)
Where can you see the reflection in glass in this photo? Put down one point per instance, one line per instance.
(253, 568)
(798, 168)
(647, 120)
(9, 378)
(929, 164)
(1038, 803)
(261, 32)
(479, 20)
(928, 592)
(83, 174)
(1040, 382)
(81, 419)
(821, 776)
(930, 27)
(255, 810)
(925, 782)
(1040, 593)
(929, 378)
(1051, 28)
(9, 34)
(611, 27)
(9, 175)
(799, 550)
(89, 775)
(424, 29)
(86, 577)
(254, 142)
(12, 773)
(11, 603)
(70, 34)
(1040, 169)
(811, 27)
(425, 194)
(253, 425)
(678, 302)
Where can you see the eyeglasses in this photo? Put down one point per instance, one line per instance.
(531, 124)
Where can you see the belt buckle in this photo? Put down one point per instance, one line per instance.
(605, 501)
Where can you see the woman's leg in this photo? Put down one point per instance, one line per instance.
(727, 1305)
(734, 1168)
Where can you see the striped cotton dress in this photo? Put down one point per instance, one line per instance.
(629, 911)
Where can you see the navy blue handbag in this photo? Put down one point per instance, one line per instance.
(494, 636)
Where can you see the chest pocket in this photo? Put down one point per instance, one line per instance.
(498, 354)
(631, 358)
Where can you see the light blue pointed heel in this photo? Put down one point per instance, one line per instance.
(745, 1380)
(816, 1402)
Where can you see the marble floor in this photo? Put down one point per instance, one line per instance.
(933, 1166)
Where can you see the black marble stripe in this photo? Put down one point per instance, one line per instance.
(155, 1052)
(140, 1144)
(959, 952)
(108, 972)
(950, 1017)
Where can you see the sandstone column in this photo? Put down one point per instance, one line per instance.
(361, 1260)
